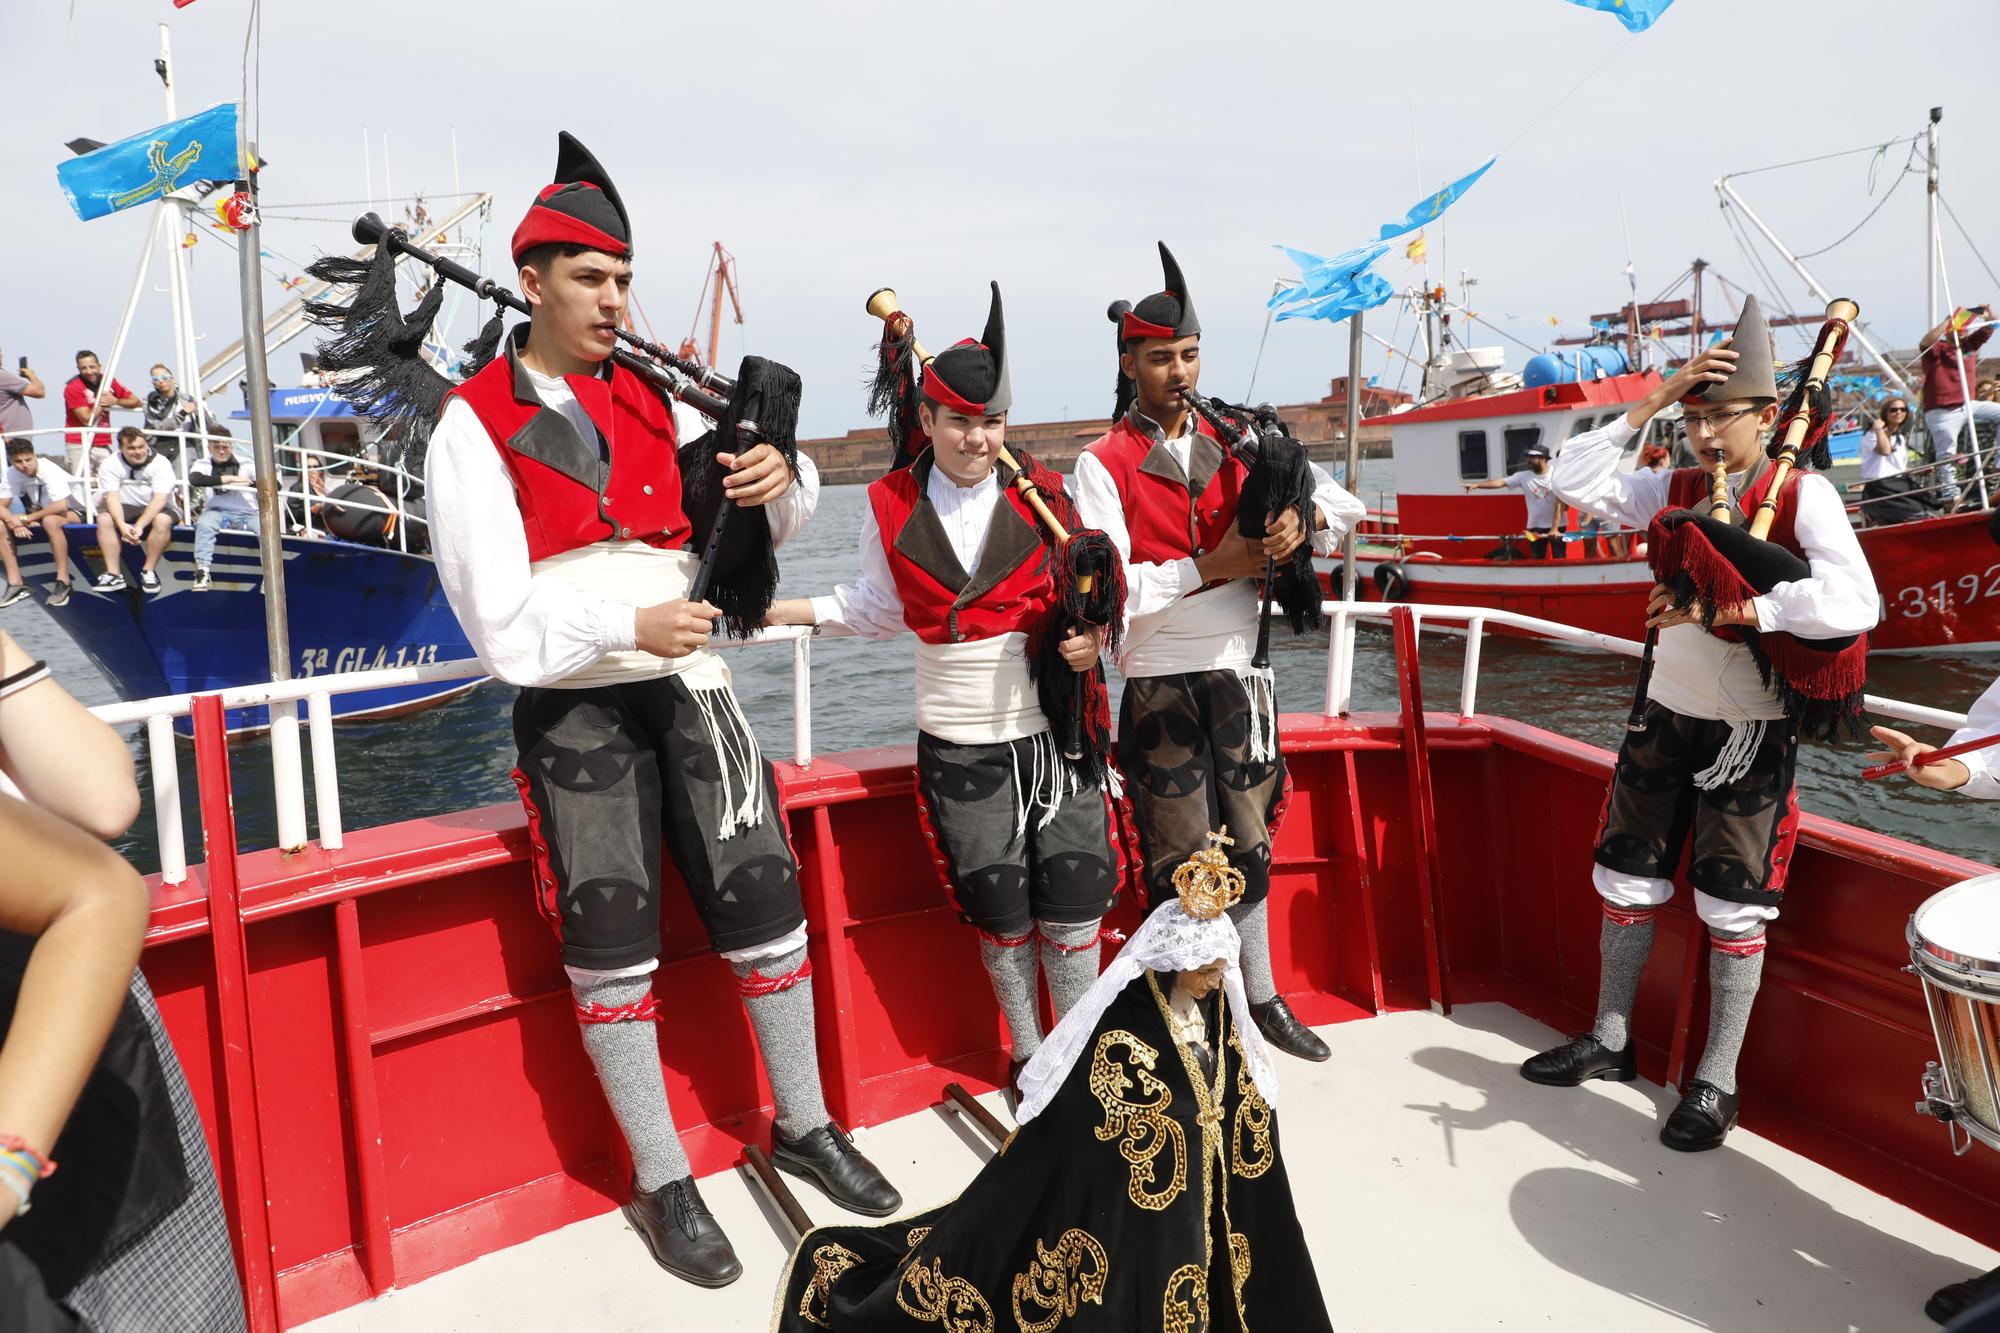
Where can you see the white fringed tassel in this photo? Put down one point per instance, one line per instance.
(1733, 760)
(737, 757)
(1262, 689)
(1050, 781)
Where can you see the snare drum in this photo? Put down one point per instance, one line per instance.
(1954, 940)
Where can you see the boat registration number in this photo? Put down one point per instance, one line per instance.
(1923, 599)
(317, 661)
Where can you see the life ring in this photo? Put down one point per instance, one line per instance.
(1391, 583)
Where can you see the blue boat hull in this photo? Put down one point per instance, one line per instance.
(349, 608)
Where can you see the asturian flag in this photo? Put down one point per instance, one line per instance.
(1424, 212)
(1636, 15)
(155, 162)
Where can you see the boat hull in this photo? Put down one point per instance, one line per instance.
(349, 608)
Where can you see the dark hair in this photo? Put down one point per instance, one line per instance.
(131, 432)
(540, 257)
(87, 352)
(19, 446)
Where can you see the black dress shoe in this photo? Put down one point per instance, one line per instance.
(1014, 1068)
(682, 1234)
(1948, 1303)
(1281, 1027)
(829, 1159)
(1702, 1120)
(1580, 1060)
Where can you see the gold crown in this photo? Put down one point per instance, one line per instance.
(1207, 884)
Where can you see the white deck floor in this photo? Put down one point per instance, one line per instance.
(1439, 1190)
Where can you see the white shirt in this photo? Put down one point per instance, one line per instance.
(1875, 465)
(137, 486)
(1982, 719)
(529, 628)
(1541, 497)
(1167, 632)
(230, 499)
(50, 485)
(870, 606)
(1695, 673)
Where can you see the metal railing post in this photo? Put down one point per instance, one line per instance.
(326, 777)
(1468, 690)
(802, 743)
(164, 761)
(288, 783)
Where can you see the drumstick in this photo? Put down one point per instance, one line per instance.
(1875, 771)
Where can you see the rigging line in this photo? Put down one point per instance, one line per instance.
(1756, 263)
(1901, 176)
(1968, 239)
(1574, 89)
(372, 203)
(1825, 157)
(1497, 329)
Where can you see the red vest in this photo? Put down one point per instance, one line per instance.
(1169, 517)
(1690, 487)
(1006, 593)
(569, 497)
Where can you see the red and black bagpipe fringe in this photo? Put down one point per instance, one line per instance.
(1089, 590)
(893, 391)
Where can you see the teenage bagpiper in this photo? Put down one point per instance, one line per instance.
(1197, 729)
(554, 500)
(1714, 752)
(951, 552)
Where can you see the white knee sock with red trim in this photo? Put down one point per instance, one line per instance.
(1735, 970)
(1069, 960)
(617, 1016)
(1624, 943)
(1011, 964)
(777, 994)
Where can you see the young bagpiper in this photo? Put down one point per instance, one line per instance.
(1197, 729)
(951, 552)
(1713, 753)
(554, 500)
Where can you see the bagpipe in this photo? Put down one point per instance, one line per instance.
(1705, 559)
(1088, 575)
(377, 354)
(1279, 477)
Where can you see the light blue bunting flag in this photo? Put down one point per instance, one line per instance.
(1425, 212)
(1332, 289)
(1636, 15)
(152, 163)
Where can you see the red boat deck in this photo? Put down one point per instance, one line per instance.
(381, 1041)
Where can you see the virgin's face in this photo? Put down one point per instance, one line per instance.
(1202, 982)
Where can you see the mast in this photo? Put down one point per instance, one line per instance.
(1931, 217)
(1694, 323)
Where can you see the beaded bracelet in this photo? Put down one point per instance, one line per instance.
(20, 1193)
(14, 1144)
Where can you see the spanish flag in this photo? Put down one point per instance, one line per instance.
(1416, 250)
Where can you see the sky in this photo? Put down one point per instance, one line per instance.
(835, 149)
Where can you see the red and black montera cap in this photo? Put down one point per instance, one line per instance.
(1164, 314)
(579, 207)
(971, 376)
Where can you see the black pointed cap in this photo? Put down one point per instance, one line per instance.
(971, 376)
(580, 206)
(1168, 313)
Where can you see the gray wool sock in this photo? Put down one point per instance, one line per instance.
(627, 1056)
(784, 1024)
(1013, 973)
(1253, 927)
(1735, 968)
(1072, 967)
(1622, 948)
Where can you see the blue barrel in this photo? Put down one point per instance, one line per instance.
(1596, 362)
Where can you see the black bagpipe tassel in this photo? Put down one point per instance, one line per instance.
(739, 564)
(892, 394)
(375, 352)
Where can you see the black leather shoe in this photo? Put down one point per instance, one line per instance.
(1702, 1120)
(1948, 1303)
(1014, 1068)
(1579, 1060)
(682, 1234)
(829, 1159)
(1281, 1027)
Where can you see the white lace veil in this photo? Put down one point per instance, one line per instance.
(1169, 941)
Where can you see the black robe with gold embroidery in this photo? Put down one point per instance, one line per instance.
(1149, 1194)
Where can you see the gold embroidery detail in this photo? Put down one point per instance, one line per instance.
(1239, 1263)
(916, 1236)
(1058, 1281)
(829, 1262)
(1142, 1127)
(1185, 1313)
(928, 1295)
(1252, 1123)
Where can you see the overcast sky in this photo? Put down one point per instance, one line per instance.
(836, 149)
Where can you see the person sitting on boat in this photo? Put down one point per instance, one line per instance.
(555, 516)
(949, 551)
(1717, 752)
(48, 497)
(1885, 463)
(170, 415)
(228, 484)
(1532, 481)
(135, 507)
(1198, 725)
(1144, 1188)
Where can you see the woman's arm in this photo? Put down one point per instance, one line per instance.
(62, 758)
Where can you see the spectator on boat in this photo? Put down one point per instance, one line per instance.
(98, 1130)
(1713, 753)
(1886, 489)
(136, 507)
(1653, 458)
(229, 489)
(16, 388)
(1023, 838)
(87, 401)
(1950, 364)
(171, 415)
(48, 497)
(1545, 542)
(1198, 724)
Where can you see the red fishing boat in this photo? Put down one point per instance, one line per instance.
(382, 1046)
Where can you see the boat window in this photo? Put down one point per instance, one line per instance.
(1582, 425)
(1519, 440)
(1472, 455)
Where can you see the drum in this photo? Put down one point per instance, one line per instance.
(1954, 940)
